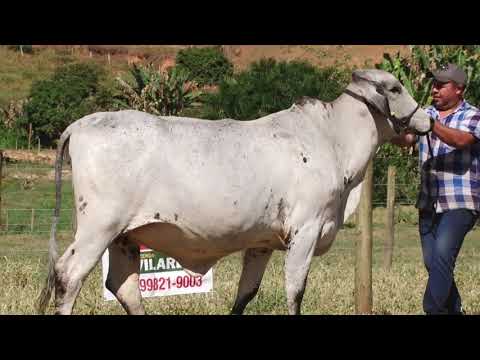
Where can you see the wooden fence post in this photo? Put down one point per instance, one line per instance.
(29, 135)
(363, 261)
(357, 219)
(390, 217)
(32, 220)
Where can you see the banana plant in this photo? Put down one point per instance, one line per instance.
(414, 70)
(158, 92)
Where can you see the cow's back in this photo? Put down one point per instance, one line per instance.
(212, 178)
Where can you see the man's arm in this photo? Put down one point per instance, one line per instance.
(457, 138)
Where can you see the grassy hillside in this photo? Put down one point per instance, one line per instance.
(18, 72)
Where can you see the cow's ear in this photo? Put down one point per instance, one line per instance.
(372, 91)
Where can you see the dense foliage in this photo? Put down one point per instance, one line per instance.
(269, 86)
(206, 66)
(68, 95)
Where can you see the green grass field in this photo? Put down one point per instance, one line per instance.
(330, 285)
(27, 186)
(329, 290)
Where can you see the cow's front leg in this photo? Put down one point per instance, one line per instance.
(297, 264)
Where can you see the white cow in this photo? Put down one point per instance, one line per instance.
(199, 190)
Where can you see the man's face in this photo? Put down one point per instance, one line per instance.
(446, 95)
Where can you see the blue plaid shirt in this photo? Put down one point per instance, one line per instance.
(456, 170)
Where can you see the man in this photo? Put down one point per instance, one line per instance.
(449, 198)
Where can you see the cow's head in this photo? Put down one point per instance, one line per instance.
(383, 91)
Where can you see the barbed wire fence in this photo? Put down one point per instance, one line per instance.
(22, 185)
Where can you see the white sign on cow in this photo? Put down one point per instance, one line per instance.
(161, 275)
(199, 190)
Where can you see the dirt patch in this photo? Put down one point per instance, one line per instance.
(243, 55)
(320, 55)
(42, 157)
(30, 178)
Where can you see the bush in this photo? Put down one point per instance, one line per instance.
(10, 135)
(269, 86)
(10, 138)
(206, 66)
(157, 92)
(11, 113)
(69, 94)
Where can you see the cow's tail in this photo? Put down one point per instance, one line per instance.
(45, 295)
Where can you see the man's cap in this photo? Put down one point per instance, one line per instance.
(450, 72)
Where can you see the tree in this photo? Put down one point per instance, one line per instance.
(269, 86)
(54, 103)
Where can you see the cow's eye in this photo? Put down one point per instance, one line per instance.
(380, 89)
(396, 90)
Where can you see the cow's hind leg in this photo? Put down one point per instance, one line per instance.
(297, 265)
(123, 274)
(254, 263)
(77, 262)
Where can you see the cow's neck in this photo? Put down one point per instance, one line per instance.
(358, 136)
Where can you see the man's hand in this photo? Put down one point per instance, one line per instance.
(404, 139)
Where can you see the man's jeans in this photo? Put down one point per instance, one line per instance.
(442, 237)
